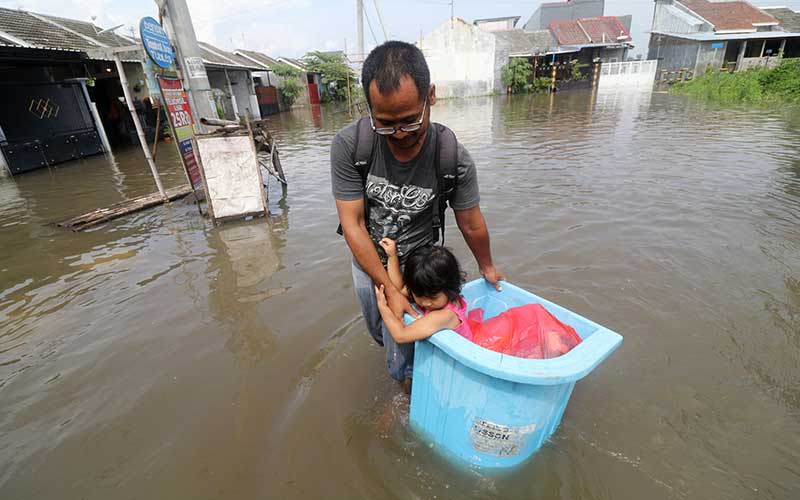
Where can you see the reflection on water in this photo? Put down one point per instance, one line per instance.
(159, 356)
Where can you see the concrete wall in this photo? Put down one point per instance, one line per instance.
(672, 17)
(709, 58)
(461, 58)
(242, 84)
(564, 11)
(505, 24)
(673, 53)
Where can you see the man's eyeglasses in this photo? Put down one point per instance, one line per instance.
(412, 127)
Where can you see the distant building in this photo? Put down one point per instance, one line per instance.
(788, 19)
(60, 100)
(312, 80)
(702, 35)
(467, 60)
(568, 10)
(497, 23)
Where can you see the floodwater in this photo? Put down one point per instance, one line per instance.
(160, 357)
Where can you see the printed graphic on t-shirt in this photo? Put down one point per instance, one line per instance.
(396, 211)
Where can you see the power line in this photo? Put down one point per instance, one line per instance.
(369, 24)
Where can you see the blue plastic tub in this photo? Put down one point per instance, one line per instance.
(492, 409)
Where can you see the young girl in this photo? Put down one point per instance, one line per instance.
(432, 277)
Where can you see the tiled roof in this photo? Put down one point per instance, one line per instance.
(526, 42)
(788, 19)
(5, 42)
(258, 57)
(214, 56)
(38, 33)
(85, 28)
(728, 16)
(591, 30)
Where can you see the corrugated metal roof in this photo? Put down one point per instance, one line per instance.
(495, 19)
(735, 15)
(787, 18)
(38, 33)
(721, 37)
(293, 62)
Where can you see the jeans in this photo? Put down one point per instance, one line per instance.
(399, 357)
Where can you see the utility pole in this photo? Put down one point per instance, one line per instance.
(360, 24)
(177, 23)
(452, 13)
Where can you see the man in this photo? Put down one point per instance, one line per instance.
(398, 196)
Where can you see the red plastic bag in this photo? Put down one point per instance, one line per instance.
(528, 331)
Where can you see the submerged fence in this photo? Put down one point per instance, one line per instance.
(628, 72)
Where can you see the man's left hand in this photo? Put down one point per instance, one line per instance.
(493, 276)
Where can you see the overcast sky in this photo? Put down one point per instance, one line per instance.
(294, 27)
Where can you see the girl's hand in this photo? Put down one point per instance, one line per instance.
(383, 304)
(389, 246)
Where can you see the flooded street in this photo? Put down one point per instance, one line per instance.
(157, 356)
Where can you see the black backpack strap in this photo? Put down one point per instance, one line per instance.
(446, 163)
(362, 157)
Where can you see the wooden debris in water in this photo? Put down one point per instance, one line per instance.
(122, 208)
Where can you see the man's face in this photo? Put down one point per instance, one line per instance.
(401, 107)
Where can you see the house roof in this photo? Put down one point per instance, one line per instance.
(787, 18)
(710, 36)
(590, 31)
(495, 19)
(87, 29)
(34, 32)
(730, 16)
(216, 57)
(258, 58)
(521, 42)
(293, 62)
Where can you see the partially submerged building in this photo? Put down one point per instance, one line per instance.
(61, 100)
(703, 35)
(311, 90)
(467, 60)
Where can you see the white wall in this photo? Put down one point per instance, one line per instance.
(461, 58)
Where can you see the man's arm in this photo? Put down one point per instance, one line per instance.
(351, 216)
(473, 226)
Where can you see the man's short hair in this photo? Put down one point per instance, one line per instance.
(388, 62)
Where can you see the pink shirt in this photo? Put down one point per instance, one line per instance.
(460, 309)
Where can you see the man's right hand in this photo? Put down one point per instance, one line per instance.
(399, 304)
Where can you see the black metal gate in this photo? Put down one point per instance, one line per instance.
(44, 124)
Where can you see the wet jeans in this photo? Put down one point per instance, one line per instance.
(399, 357)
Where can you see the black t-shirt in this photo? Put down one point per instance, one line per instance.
(400, 194)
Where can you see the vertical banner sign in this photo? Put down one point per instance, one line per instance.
(180, 118)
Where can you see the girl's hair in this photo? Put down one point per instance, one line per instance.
(430, 270)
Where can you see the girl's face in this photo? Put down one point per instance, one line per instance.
(434, 303)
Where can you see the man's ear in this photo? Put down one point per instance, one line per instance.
(432, 95)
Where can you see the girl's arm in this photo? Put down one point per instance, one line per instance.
(393, 263)
(419, 329)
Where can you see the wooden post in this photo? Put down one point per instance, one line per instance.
(158, 125)
(258, 167)
(142, 140)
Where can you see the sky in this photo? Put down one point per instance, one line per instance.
(294, 27)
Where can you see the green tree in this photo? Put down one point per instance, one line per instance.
(290, 86)
(335, 74)
(517, 74)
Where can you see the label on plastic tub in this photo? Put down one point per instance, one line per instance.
(499, 440)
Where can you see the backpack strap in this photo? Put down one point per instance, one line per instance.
(362, 158)
(446, 163)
